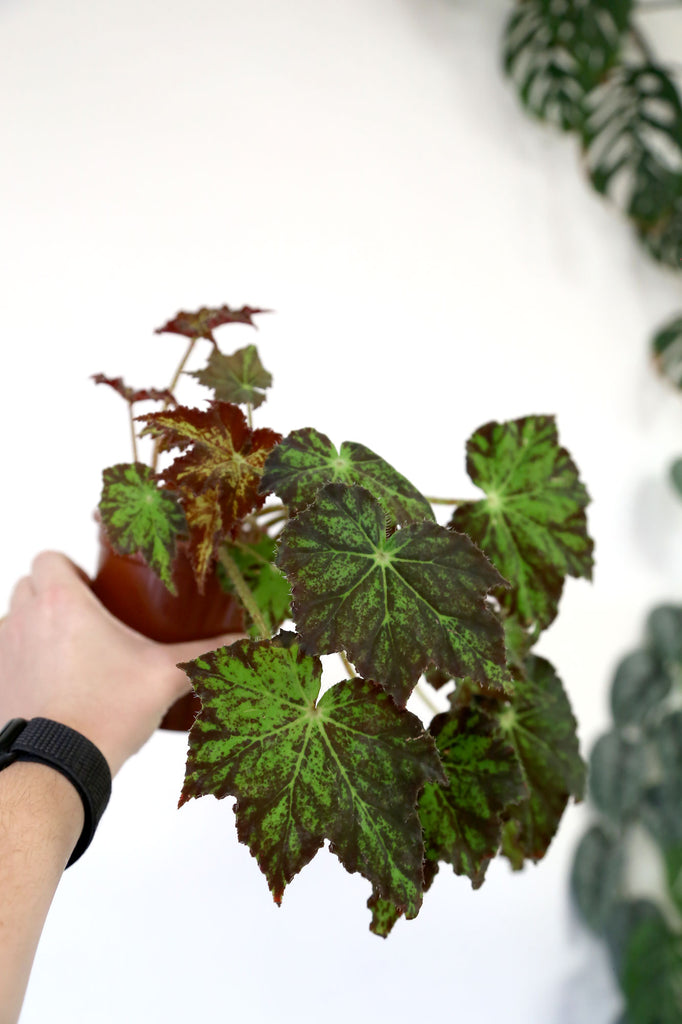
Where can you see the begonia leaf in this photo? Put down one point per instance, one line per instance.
(393, 604)
(240, 378)
(462, 820)
(532, 522)
(306, 460)
(203, 322)
(347, 767)
(269, 587)
(539, 724)
(217, 475)
(132, 395)
(139, 516)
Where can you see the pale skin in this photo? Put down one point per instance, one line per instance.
(64, 657)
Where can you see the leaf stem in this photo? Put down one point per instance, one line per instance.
(245, 595)
(171, 388)
(424, 697)
(249, 415)
(132, 430)
(347, 665)
(448, 501)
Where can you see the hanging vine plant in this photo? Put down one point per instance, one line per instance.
(587, 67)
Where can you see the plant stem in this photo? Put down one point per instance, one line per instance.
(423, 695)
(245, 595)
(347, 665)
(447, 501)
(267, 509)
(249, 415)
(171, 388)
(132, 430)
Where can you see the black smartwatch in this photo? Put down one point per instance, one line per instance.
(67, 751)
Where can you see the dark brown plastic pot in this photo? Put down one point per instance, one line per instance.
(129, 589)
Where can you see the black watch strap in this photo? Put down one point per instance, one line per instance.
(46, 742)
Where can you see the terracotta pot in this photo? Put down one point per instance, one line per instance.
(128, 588)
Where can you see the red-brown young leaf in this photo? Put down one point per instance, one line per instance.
(217, 475)
(204, 321)
(130, 394)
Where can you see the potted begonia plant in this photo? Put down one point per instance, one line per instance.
(246, 530)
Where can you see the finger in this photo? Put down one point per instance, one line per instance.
(22, 593)
(190, 649)
(50, 567)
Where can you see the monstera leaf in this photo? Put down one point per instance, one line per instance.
(556, 51)
(306, 460)
(462, 820)
(394, 604)
(347, 767)
(532, 523)
(663, 239)
(667, 349)
(141, 517)
(203, 322)
(633, 138)
(539, 724)
(240, 378)
(218, 474)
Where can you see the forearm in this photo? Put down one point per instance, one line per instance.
(41, 818)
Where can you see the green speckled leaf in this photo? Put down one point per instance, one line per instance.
(384, 915)
(240, 378)
(306, 460)
(538, 722)
(269, 587)
(597, 877)
(556, 51)
(348, 768)
(394, 604)
(461, 820)
(138, 515)
(532, 523)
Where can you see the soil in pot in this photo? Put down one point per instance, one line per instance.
(128, 588)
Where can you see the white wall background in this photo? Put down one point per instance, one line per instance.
(435, 261)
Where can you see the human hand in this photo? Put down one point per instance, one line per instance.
(63, 656)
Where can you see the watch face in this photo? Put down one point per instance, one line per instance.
(8, 734)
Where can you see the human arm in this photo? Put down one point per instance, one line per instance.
(63, 657)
